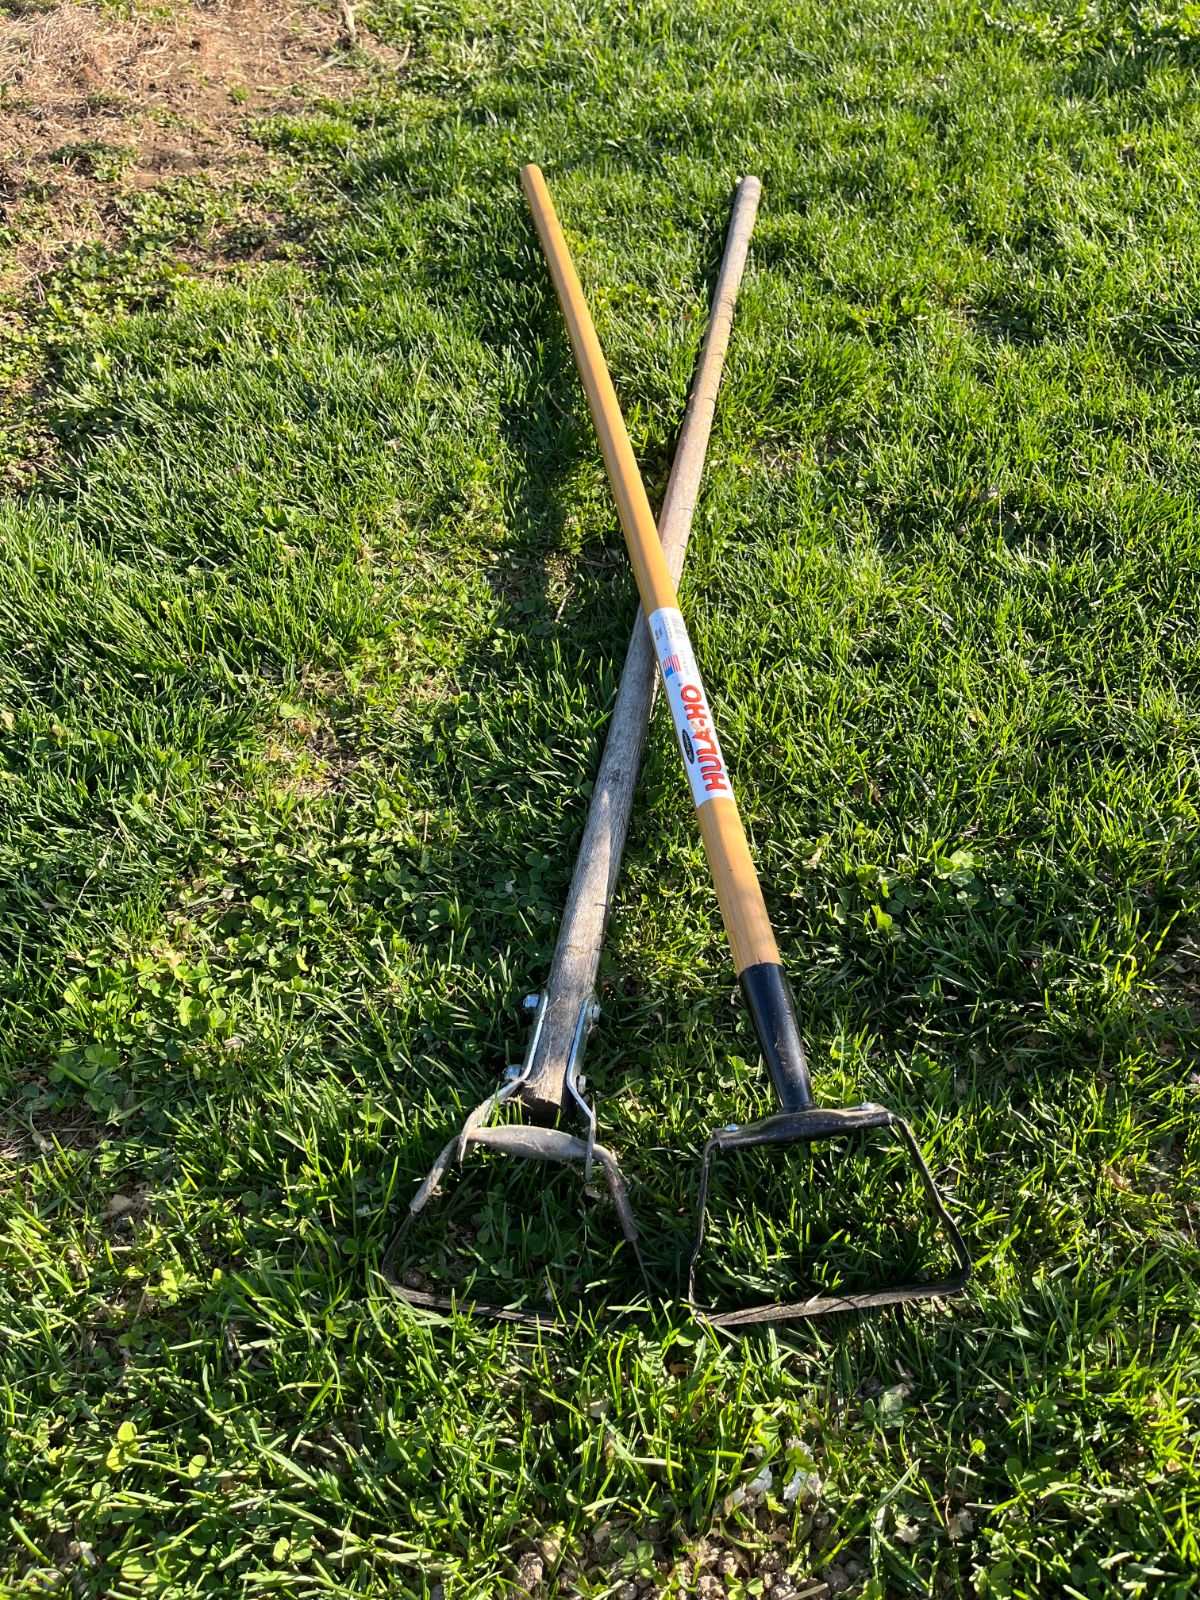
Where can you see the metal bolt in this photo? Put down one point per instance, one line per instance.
(531, 1002)
(731, 1127)
(593, 1012)
(510, 1073)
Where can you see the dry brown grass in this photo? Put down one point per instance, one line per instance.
(161, 95)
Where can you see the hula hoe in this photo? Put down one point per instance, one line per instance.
(550, 1081)
(752, 941)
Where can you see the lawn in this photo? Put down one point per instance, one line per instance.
(313, 606)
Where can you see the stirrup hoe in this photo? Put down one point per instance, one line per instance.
(743, 910)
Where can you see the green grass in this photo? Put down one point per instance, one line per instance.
(312, 612)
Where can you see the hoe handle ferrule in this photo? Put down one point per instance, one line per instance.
(773, 1013)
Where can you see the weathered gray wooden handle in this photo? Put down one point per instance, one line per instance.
(576, 962)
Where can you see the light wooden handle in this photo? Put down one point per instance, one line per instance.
(742, 907)
(687, 469)
(649, 564)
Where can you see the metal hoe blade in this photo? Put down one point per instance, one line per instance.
(526, 1140)
(805, 1127)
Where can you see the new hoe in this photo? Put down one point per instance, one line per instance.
(756, 957)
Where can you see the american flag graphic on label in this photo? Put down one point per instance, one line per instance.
(702, 758)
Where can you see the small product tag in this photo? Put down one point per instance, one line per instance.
(702, 758)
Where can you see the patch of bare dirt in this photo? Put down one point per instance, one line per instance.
(24, 1144)
(92, 104)
(751, 1550)
(307, 760)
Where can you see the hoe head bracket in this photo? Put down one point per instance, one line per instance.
(804, 1127)
(533, 1143)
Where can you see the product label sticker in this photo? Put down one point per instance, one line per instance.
(702, 758)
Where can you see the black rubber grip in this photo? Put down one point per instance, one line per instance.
(773, 1013)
